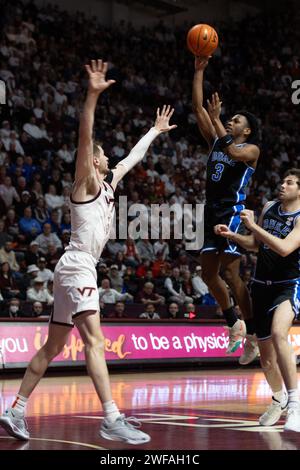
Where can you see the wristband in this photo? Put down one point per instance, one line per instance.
(225, 141)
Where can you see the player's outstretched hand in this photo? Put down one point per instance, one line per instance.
(163, 118)
(97, 72)
(214, 106)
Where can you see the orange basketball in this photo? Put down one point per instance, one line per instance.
(202, 40)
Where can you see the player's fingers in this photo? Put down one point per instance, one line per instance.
(99, 65)
(93, 65)
(88, 68)
(104, 67)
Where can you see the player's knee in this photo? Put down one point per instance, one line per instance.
(278, 336)
(95, 344)
(230, 277)
(52, 350)
(209, 277)
(267, 364)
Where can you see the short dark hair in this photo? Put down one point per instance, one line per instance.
(253, 138)
(293, 172)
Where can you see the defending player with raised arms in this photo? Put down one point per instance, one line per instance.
(76, 299)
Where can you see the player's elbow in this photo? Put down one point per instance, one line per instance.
(198, 109)
(284, 251)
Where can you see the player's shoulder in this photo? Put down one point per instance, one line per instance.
(268, 206)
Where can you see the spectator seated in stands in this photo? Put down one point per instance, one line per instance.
(131, 256)
(131, 282)
(13, 308)
(38, 310)
(119, 311)
(200, 288)
(53, 256)
(173, 285)
(189, 310)
(39, 293)
(29, 227)
(8, 286)
(44, 273)
(31, 274)
(4, 236)
(107, 295)
(150, 313)
(145, 249)
(173, 310)
(161, 248)
(102, 273)
(7, 255)
(8, 192)
(187, 286)
(147, 295)
(46, 238)
(114, 247)
(116, 278)
(31, 255)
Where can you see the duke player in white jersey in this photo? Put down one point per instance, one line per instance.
(75, 287)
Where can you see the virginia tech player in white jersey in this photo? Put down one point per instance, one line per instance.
(76, 299)
(92, 220)
(92, 209)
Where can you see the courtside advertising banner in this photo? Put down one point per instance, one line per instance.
(125, 343)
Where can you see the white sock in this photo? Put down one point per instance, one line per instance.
(111, 411)
(278, 395)
(294, 401)
(19, 406)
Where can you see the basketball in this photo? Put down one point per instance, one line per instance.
(202, 40)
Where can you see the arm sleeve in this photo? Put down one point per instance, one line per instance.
(137, 153)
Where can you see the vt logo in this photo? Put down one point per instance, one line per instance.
(86, 289)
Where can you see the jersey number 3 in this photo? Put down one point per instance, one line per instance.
(219, 170)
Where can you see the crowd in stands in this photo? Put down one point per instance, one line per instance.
(46, 82)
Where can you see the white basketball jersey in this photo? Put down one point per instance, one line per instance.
(91, 222)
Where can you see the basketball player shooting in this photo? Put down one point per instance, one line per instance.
(232, 160)
(76, 300)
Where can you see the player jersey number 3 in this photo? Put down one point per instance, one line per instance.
(219, 168)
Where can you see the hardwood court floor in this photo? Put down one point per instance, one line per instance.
(191, 410)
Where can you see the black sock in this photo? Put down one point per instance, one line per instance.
(230, 316)
(250, 326)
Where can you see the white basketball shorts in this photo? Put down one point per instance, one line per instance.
(75, 287)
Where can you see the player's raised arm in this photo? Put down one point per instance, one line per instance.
(137, 153)
(203, 120)
(96, 85)
(248, 154)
